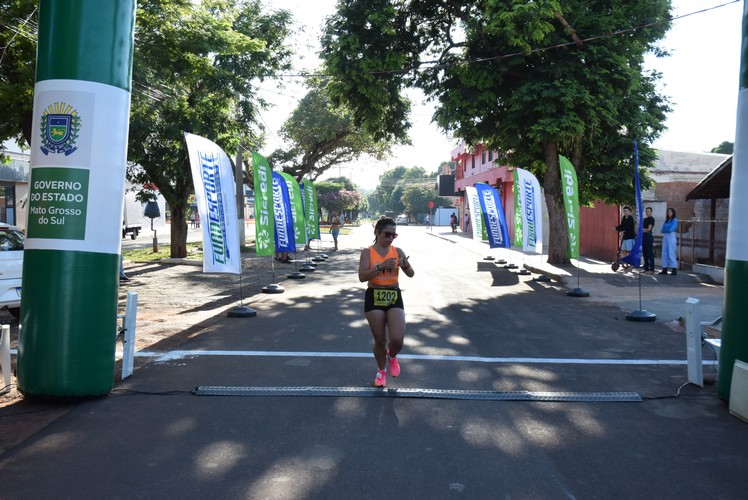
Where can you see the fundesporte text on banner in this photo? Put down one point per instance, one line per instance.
(264, 217)
(635, 256)
(215, 194)
(528, 199)
(476, 217)
(493, 215)
(571, 204)
(284, 234)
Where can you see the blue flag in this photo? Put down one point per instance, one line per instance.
(284, 237)
(493, 215)
(635, 256)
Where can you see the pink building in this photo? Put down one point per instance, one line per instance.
(472, 167)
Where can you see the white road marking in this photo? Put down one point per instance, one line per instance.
(181, 354)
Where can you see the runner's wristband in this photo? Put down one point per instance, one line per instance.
(377, 268)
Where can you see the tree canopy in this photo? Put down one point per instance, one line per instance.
(18, 35)
(320, 136)
(195, 70)
(724, 148)
(415, 199)
(530, 79)
(337, 195)
(406, 190)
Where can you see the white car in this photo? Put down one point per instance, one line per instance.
(11, 267)
(402, 220)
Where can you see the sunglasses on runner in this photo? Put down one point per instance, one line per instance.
(389, 234)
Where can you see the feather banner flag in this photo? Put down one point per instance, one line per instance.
(635, 256)
(264, 218)
(215, 194)
(571, 203)
(311, 209)
(529, 221)
(476, 217)
(493, 215)
(519, 227)
(284, 237)
(297, 211)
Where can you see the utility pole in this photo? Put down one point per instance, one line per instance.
(78, 154)
(735, 314)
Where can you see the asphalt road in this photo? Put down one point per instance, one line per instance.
(473, 328)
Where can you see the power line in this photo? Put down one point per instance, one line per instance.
(20, 30)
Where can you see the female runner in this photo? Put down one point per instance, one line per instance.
(379, 265)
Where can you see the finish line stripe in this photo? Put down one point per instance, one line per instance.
(181, 354)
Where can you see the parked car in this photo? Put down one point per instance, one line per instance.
(402, 220)
(11, 267)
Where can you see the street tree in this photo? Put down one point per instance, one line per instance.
(389, 191)
(393, 183)
(333, 197)
(416, 198)
(320, 136)
(343, 181)
(345, 184)
(530, 79)
(196, 67)
(724, 148)
(18, 35)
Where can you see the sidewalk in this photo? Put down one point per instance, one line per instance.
(663, 295)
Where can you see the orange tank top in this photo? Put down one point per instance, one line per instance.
(388, 278)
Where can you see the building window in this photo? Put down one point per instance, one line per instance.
(473, 160)
(483, 158)
(490, 156)
(7, 204)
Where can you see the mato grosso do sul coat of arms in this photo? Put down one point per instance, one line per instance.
(59, 128)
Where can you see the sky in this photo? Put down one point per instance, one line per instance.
(700, 78)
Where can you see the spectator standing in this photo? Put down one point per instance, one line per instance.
(669, 243)
(335, 225)
(648, 241)
(629, 232)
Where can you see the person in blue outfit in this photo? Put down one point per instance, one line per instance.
(669, 243)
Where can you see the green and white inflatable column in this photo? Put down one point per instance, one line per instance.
(78, 154)
(735, 314)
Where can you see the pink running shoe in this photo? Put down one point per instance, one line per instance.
(381, 379)
(394, 367)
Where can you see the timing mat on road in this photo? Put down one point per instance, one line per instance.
(373, 392)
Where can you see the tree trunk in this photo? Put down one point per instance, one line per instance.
(27, 121)
(558, 252)
(178, 232)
